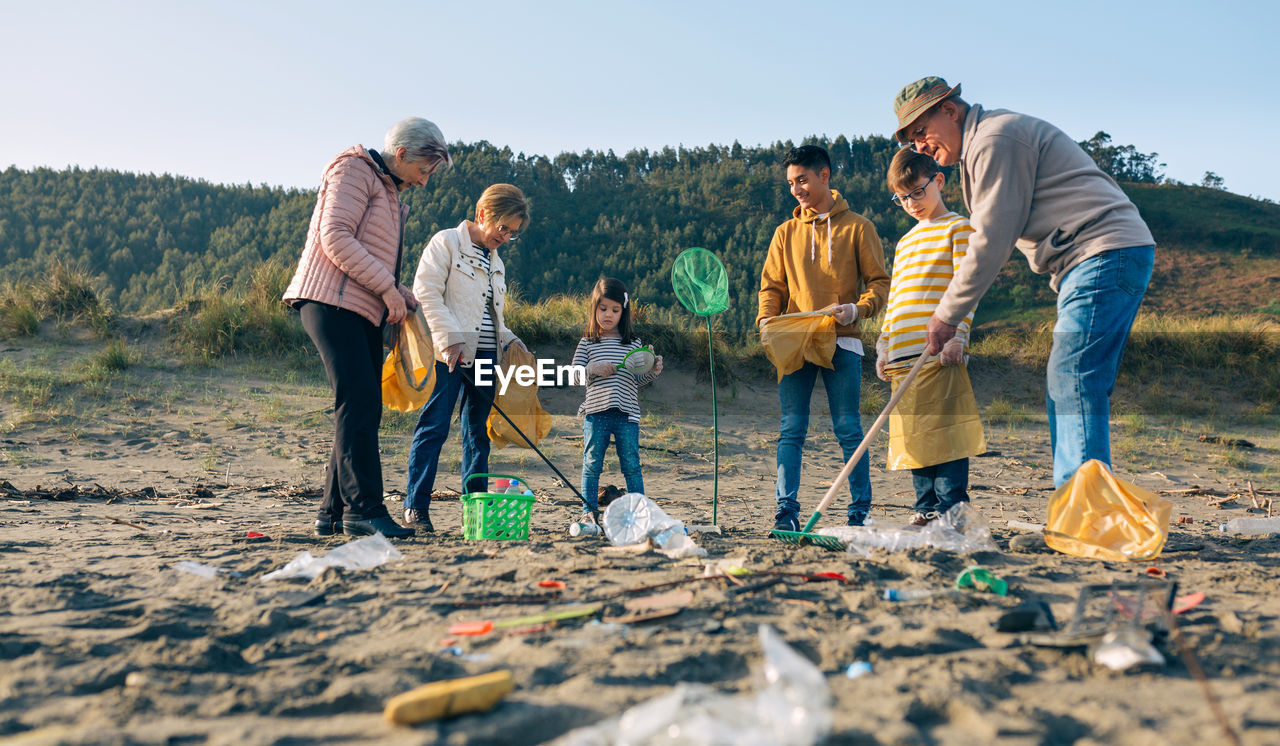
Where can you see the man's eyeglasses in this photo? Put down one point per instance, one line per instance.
(915, 195)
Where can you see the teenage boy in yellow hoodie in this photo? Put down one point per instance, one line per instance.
(825, 258)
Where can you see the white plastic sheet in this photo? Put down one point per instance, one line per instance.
(791, 707)
(361, 554)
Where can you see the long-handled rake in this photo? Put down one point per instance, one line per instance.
(803, 536)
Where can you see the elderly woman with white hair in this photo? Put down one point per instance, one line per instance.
(347, 286)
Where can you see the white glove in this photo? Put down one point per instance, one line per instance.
(952, 352)
(601, 369)
(844, 313)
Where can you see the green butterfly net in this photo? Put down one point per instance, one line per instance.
(702, 286)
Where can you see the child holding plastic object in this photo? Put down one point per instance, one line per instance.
(935, 428)
(612, 404)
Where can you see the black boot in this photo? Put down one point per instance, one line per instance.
(380, 525)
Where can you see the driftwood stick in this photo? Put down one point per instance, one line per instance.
(127, 523)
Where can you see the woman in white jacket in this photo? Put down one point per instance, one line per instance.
(461, 284)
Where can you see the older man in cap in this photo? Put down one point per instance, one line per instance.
(1030, 186)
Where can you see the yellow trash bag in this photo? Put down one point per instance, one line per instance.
(936, 420)
(409, 372)
(792, 339)
(1100, 516)
(521, 405)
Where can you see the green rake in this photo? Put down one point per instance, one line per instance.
(803, 536)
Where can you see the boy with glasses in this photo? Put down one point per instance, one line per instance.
(935, 428)
(1029, 186)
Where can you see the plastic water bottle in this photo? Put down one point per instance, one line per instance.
(1252, 526)
(514, 488)
(663, 538)
(908, 594)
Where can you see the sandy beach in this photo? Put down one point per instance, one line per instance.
(103, 640)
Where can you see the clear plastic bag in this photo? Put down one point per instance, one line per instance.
(961, 529)
(361, 554)
(791, 707)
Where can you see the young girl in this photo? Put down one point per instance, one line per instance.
(612, 406)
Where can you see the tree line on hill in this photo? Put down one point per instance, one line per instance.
(150, 241)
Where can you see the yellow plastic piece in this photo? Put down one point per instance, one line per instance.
(521, 405)
(1100, 516)
(937, 419)
(443, 699)
(409, 372)
(792, 339)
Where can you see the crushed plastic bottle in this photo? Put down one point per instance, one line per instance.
(910, 594)
(791, 707)
(1252, 526)
(961, 529)
(633, 518)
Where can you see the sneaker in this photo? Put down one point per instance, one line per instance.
(786, 523)
(587, 517)
(419, 520)
(923, 519)
(857, 520)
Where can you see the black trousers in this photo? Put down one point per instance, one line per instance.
(351, 349)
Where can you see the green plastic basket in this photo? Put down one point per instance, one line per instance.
(495, 515)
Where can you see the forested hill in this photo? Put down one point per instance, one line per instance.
(151, 239)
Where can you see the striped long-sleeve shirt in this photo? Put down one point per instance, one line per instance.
(923, 265)
(620, 390)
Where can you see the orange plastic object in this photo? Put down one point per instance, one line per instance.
(472, 629)
(791, 340)
(1187, 602)
(1100, 516)
(1156, 572)
(558, 585)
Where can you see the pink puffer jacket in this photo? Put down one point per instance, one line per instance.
(350, 255)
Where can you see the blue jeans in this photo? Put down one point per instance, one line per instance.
(1097, 302)
(433, 428)
(941, 486)
(596, 429)
(844, 391)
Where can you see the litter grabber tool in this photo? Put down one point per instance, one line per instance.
(804, 535)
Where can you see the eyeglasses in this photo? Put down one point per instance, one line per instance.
(915, 195)
(507, 233)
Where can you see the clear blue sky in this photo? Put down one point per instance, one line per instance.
(266, 92)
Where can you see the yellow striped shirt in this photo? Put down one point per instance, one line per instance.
(923, 264)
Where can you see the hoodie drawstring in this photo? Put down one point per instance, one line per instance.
(813, 238)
